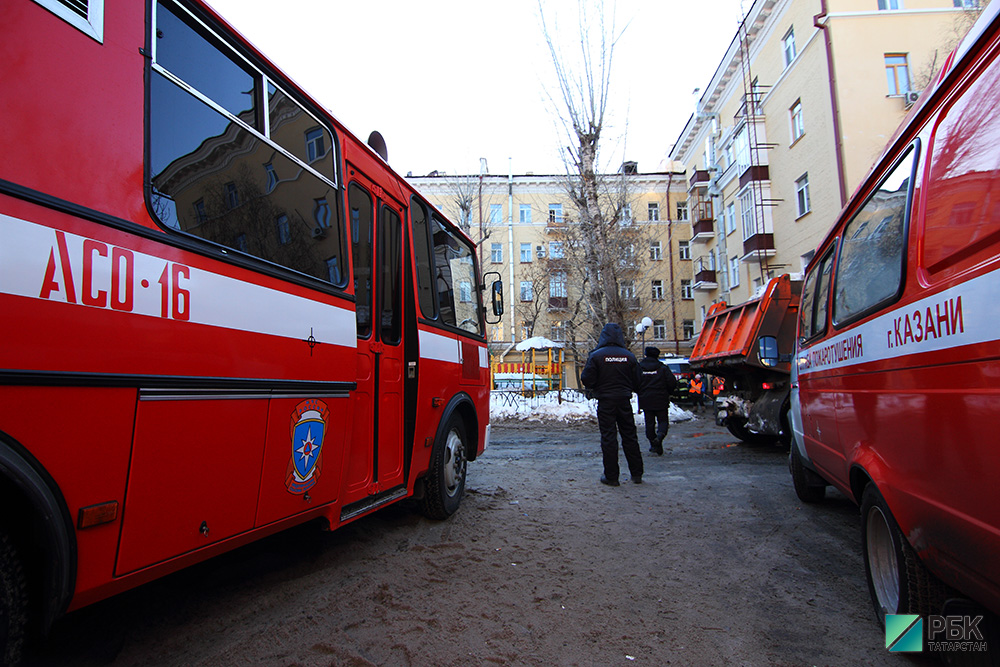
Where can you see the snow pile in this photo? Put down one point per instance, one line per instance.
(575, 407)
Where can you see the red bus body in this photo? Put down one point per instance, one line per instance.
(899, 352)
(180, 376)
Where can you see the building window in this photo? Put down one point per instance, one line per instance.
(527, 294)
(684, 250)
(627, 289)
(659, 330)
(241, 242)
(891, 4)
(657, 290)
(654, 211)
(655, 251)
(795, 114)
(315, 148)
(788, 46)
(333, 270)
(496, 214)
(688, 326)
(802, 195)
(525, 253)
(465, 292)
(496, 253)
(232, 196)
(556, 250)
(968, 4)
(558, 331)
(627, 213)
(199, 210)
(321, 212)
(557, 285)
(686, 292)
(747, 216)
(682, 211)
(731, 218)
(524, 214)
(555, 214)
(272, 177)
(897, 73)
(734, 271)
(284, 232)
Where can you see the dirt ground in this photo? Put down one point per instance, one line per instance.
(711, 561)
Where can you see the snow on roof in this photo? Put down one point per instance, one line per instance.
(536, 343)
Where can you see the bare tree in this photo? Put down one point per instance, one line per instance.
(598, 244)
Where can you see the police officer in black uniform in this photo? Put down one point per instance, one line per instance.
(610, 373)
(654, 384)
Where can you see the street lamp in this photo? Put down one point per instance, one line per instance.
(641, 329)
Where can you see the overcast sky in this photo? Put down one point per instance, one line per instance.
(447, 82)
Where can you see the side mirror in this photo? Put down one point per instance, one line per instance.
(496, 292)
(768, 351)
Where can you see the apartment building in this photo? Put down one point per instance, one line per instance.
(525, 226)
(796, 113)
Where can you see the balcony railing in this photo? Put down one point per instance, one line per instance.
(699, 177)
(703, 231)
(755, 172)
(758, 247)
(558, 302)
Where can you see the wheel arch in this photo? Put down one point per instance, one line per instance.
(462, 405)
(38, 517)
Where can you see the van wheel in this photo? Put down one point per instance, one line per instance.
(809, 487)
(13, 602)
(445, 481)
(897, 581)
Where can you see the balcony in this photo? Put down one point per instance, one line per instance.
(755, 172)
(758, 247)
(704, 280)
(700, 178)
(703, 231)
(631, 302)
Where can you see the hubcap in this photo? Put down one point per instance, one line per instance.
(454, 463)
(882, 561)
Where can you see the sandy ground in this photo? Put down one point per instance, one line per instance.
(711, 561)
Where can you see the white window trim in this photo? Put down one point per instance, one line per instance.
(92, 26)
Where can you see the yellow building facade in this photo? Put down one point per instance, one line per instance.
(522, 225)
(798, 109)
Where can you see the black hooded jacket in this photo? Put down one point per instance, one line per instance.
(610, 370)
(654, 384)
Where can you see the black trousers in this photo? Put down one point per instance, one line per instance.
(614, 416)
(657, 423)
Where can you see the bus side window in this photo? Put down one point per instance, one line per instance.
(390, 272)
(873, 247)
(360, 207)
(962, 224)
(425, 259)
(458, 298)
(213, 175)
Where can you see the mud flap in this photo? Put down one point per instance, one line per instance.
(765, 414)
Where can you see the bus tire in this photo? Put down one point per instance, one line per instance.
(809, 486)
(445, 481)
(13, 602)
(897, 581)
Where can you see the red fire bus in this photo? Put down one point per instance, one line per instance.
(223, 314)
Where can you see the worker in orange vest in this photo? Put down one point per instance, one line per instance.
(695, 389)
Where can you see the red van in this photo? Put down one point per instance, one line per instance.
(898, 353)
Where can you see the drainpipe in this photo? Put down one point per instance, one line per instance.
(510, 241)
(819, 20)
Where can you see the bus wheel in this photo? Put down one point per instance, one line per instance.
(13, 602)
(445, 481)
(809, 487)
(897, 581)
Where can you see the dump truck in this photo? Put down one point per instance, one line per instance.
(738, 343)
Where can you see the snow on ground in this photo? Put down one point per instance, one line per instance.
(546, 407)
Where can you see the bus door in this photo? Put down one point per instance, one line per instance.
(375, 454)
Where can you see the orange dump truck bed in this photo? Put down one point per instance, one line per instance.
(729, 336)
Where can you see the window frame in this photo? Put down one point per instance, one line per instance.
(832, 315)
(788, 47)
(803, 201)
(798, 127)
(895, 68)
